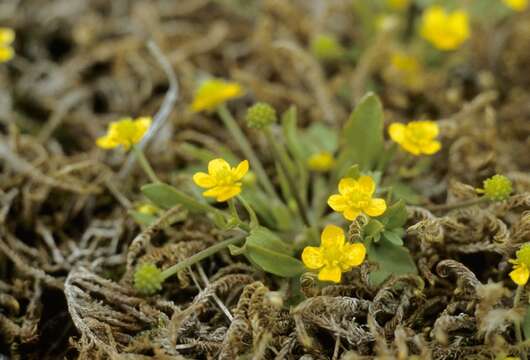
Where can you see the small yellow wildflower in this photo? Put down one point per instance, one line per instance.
(222, 181)
(405, 69)
(321, 162)
(333, 256)
(398, 4)
(517, 5)
(214, 92)
(126, 132)
(355, 196)
(521, 269)
(7, 36)
(446, 31)
(417, 137)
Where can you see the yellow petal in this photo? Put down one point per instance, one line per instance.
(366, 184)
(347, 185)
(431, 147)
(337, 202)
(351, 214)
(241, 169)
(106, 142)
(354, 254)
(411, 147)
(7, 36)
(312, 258)
(141, 126)
(332, 237)
(330, 273)
(376, 207)
(217, 167)
(429, 128)
(397, 132)
(204, 180)
(6, 53)
(520, 275)
(228, 192)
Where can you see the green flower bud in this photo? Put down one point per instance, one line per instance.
(148, 279)
(326, 47)
(497, 188)
(260, 115)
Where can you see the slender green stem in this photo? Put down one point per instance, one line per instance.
(145, 164)
(460, 205)
(284, 165)
(233, 210)
(170, 271)
(237, 133)
(517, 324)
(251, 213)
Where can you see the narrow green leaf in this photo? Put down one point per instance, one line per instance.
(526, 324)
(274, 262)
(166, 196)
(141, 218)
(263, 237)
(393, 237)
(362, 136)
(292, 135)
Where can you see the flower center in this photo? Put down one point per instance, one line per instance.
(358, 199)
(418, 135)
(225, 178)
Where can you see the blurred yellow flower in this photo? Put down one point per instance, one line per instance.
(222, 181)
(355, 197)
(126, 132)
(405, 69)
(7, 36)
(147, 209)
(214, 92)
(521, 269)
(446, 31)
(398, 4)
(517, 5)
(321, 162)
(417, 137)
(333, 256)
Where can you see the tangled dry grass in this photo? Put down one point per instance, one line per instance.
(69, 247)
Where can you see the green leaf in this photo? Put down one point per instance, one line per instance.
(263, 237)
(395, 216)
(274, 262)
(392, 260)
(372, 230)
(526, 324)
(319, 137)
(353, 172)
(404, 192)
(141, 218)
(393, 237)
(292, 135)
(165, 196)
(362, 136)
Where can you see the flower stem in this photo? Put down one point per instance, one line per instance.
(145, 164)
(517, 324)
(243, 143)
(284, 165)
(460, 205)
(201, 255)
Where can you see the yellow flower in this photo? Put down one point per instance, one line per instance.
(405, 69)
(521, 269)
(446, 31)
(517, 5)
(417, 137)
(321, 162)
(7, 36)
(398, 4)
(214, 92)
(126, 132)
(334, 256)
(355, 196)
(222, 181)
